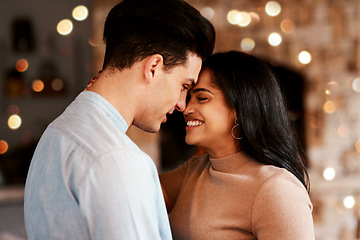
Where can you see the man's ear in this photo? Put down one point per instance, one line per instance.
(153, 65)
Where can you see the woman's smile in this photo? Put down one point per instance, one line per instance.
(194, 123)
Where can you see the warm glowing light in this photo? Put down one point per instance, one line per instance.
(274, 39)
(14, 122)
(245, 19)
(38, 85)
(329, 107)
(349, 202)
(304, 57)
(57, 84)
(331, 87)
(3, 146)
(80, 13)
(287, 26)
(208, 12)
(65, 27)
(329, 174)
(22, 65)
(357, 145)
(272, 8)
(254, 17)
(234, 17)
(343, 131)
(313, 122)
(247, 44)
(356, 85)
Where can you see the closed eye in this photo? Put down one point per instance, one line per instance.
(202, 99)
(185, 87)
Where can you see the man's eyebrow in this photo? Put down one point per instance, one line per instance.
(196, 90)
(191, 82)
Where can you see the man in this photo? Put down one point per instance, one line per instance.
(87, 179)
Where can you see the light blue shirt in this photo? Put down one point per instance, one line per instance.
(88, 180)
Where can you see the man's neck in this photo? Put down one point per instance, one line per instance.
(120, 90)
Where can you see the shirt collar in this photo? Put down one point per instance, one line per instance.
(106, 106)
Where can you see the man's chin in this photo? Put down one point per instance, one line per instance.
(153, 131)
(150, 129)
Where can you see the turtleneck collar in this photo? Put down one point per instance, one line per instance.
(229, 163)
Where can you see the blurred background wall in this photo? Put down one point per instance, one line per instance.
(313, 45)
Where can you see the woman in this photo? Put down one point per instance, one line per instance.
(251, 183)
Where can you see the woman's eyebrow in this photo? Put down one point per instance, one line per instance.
(196, 90)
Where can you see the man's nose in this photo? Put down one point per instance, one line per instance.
(181, 104)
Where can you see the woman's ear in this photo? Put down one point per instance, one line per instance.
(153, 65)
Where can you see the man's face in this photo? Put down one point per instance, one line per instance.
(168, 94)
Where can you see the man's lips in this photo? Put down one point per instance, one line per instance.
(165, 119)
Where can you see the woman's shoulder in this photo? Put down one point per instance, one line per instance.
(281, 200)
(273, 173)
(267, 177)
(280, 183)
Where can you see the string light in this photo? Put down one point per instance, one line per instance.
(272, 8)
(57, 84)
(357, 145)
(304, 57)
(331, 87)
(254, 17)
(329, 174)
(343, 131)
(245, 19)
(356, 85)
(3, 146)
(247, 44)
(233, 17)
(329, 107)
(22, 65)
(274, 39)
(14, 122)
(80, 13)
(208, 12)
(65, 27)
(287, 26)
(38, 85)
(349, 202)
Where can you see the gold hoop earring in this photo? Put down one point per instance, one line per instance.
(232, 130)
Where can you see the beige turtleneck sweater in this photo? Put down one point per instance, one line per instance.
(236, 198)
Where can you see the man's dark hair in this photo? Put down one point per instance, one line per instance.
(136, 29)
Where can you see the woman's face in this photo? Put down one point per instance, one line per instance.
(209, 119)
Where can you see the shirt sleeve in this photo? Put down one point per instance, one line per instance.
(121, 198)
(282, 210)
(172, 182)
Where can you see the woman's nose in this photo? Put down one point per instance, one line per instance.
(188, 109)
